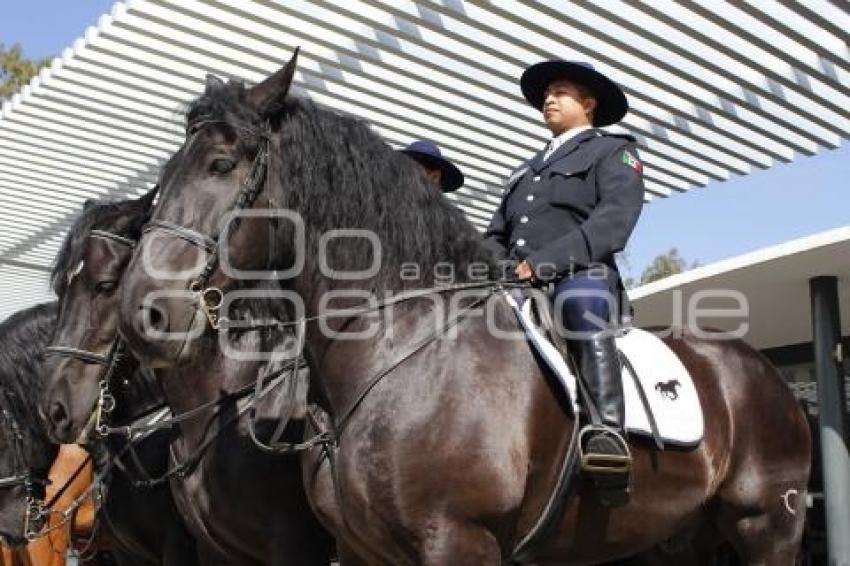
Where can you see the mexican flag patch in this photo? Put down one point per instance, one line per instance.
(632, 161)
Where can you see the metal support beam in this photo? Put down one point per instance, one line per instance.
(826, 334)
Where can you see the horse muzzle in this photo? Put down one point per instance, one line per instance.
(160, 331)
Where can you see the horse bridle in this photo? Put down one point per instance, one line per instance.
(22, 474)
(210, 298)
(109, 361)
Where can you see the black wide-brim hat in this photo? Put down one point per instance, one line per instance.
(429, 155)
(611, 103)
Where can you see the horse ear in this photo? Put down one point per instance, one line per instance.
(265, 96)
(146, 200)
(212, 82)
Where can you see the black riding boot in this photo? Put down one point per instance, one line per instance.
(606, 456)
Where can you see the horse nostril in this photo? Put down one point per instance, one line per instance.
(152, 317)
(58, 415)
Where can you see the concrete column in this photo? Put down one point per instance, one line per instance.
(834, 455)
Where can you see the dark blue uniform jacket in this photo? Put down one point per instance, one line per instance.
(573, 212)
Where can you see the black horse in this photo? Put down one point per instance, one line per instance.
(243, 505)
(26, 452)
(143, 522)
(447, 437)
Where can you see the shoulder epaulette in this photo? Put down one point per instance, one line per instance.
(607, 134)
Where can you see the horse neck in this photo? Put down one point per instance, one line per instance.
(312, 292)
(331, 367)
(188, 387)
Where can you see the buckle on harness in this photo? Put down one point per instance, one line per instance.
(210, 300)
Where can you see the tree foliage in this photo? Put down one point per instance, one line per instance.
(16, 70)
(665, 265)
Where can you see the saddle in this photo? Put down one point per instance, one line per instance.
(662, 404)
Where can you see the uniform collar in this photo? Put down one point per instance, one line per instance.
(564, 137)
(571, 140)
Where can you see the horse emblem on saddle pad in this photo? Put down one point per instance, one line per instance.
(652, 365)
(668, 389)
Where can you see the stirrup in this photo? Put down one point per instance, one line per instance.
(599, 464)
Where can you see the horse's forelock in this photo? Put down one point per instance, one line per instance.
(224, 102)
(125, 218)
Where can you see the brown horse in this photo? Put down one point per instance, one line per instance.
(242, 505)
(64, 475)
(447, 438)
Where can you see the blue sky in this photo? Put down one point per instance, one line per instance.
(767, 207)
(721, 220)
(45, 27)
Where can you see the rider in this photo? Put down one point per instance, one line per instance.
(441, 172)
(564, 215)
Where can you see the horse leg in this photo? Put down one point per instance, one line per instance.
(757, 544)
(768, 532)
(761, 507)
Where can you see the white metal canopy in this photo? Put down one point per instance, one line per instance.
(764, 293)
(716, 89)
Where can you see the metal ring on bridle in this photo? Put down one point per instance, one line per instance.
(212, 297)
(108, 403)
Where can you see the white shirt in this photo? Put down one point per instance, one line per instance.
(561, 139)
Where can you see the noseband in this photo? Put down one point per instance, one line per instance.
(210, 298)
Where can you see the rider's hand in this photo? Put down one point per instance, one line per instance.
(524, 271)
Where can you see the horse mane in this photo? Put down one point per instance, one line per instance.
(124, 217)
(337, 173)
(23, 338)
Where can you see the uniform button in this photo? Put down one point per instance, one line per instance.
(520, 242)
(523, 219)
(529, 198)
(536, 178)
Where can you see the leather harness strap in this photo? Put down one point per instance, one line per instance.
(653, 424)
(82, 355)
(182, 232)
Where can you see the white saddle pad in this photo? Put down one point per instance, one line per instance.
(669, 390)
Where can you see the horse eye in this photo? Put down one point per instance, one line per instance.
(105, 286)
(222, 166)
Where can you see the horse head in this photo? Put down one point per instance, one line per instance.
(25, 451)
(192, 251)
(86, 277)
